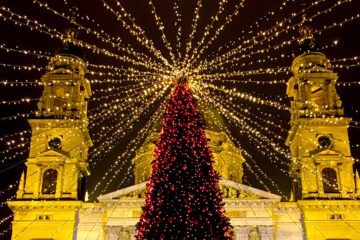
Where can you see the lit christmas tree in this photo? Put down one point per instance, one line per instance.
(183, 199)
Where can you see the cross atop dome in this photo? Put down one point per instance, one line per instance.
(307, 40)
(70, 43)
(71, 31)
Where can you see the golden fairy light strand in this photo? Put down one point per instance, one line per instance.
(48, 56)
(134, 113)
(217, 33)
(223, 127)
(131, 52)
(54, 33)
(194, 25)
(161, 27)
(207, 30)
(132, 146)
(238, 73)
(145, 76)
(248, 97)
(241, 120)
(177, 25)
(226, 110)
(245, 131)
(263, 136)
(18, 116)
(232, 115)
(135, 30)
(145, 131)
(45, 143)
(257, 25)
(101, 116)
(20, 83)
(222, 59)
(119, 133)
(237, 109)
(273, 29)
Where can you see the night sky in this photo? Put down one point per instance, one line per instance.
(337, 43)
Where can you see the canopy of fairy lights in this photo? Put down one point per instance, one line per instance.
(237, 56)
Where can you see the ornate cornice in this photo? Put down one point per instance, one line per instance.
(329, 204)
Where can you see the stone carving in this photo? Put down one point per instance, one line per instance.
(254, 234)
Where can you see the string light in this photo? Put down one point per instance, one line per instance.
(117, 44)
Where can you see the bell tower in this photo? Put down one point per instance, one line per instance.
(60, 139)
(322, 164)
(51, 187)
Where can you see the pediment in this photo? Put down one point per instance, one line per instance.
(53, 153)
(248, 192)
(324, 151)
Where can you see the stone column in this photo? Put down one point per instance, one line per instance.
(357, 177)
(38, 184)
(266, 232)
(241, 233)
(319, 179)
(60, 182)
(112, 233)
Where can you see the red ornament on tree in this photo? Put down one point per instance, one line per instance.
(183, 161)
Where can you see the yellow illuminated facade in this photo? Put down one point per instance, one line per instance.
(49, 199)
(325, 185)
(227, 157)
(50, 202)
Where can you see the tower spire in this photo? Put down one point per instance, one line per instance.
(318, 139)
(307, 40)
(70, 42)
(57, 166)
(306, 30)
(72, 32)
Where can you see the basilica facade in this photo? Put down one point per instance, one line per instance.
(324, 203)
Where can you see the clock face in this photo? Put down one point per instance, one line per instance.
(324, 141)
(55, 143)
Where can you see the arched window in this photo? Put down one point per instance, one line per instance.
(317, 96)
(330, 183)
(49, 182)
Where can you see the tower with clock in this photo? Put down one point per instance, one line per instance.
(318, 139)
(51, 189)
(324, 183)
